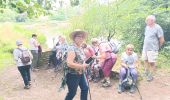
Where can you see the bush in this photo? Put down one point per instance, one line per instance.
(7, 15)
(58, 15)
(21, 6)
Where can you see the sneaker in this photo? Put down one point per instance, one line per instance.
(96, 80)
(49, 65)
(120, 88)
(29, 83)
(35, 69)
(132, 89)
(106, 84)
(146, 72)
(103, 81)
(27, 87)
(149, 78)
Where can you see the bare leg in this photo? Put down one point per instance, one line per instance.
(147, 66)
(152, 67)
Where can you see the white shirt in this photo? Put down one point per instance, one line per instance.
(33, 44)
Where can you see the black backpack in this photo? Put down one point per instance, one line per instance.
(25, 56)
(128, 81)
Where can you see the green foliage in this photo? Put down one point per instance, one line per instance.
(32, 8)
(7, 44)
(164, 56)
(59, 15)
(28, 33)
(125, 20)
(74, 2)
(6, 54)
(121, 19)
(35, 11)
(21, 6)
(7, 15)
(27, 1)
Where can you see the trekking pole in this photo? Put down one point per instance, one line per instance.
(135, 84)
(88, 86)
(89, 61)
(137, 87)
(139, 92)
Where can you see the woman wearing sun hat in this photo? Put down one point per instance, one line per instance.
(76, 66)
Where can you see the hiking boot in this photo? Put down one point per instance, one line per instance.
(132, 89)
(27, 87)
(149, 78)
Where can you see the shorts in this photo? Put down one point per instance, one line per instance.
(151, 56)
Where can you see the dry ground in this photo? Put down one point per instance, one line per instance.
(45, 84)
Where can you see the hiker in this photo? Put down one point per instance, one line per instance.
(107, 60)
(61, 51)
(95, 45)
(39, 55)
(34, 50)
(52, 56)
(63, 44)
(129, 62)
(24, 69)
(76, 66)
(154, 39)
(96, 67)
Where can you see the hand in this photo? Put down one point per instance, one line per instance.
(94, 56)
(85, 65)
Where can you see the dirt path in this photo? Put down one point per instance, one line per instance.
(45, 87)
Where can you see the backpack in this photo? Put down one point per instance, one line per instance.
(25, 56)
(113, 46)
(128, 81)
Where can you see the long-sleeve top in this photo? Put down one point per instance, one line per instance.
(17, 56)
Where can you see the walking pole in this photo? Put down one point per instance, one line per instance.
(89, 61)
(88, 85)
(139, 92)
(137, 88)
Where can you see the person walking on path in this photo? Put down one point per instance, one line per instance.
(24, 69)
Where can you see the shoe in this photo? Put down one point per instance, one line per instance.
(29, 83)
(106, 84)
(132, 89)
(90, 78)
(119, 88)
(145, 74)
(103, 81)
(27, 87)
(49, 64)
(96, 80)
(149, 78)
(35, 69)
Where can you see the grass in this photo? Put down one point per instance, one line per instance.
(10, 32)
(1, 98)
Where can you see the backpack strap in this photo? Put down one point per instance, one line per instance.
(20, 49)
